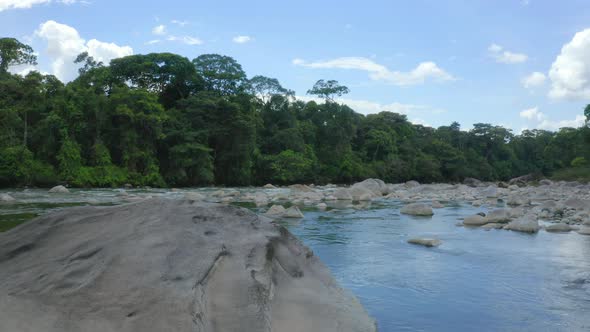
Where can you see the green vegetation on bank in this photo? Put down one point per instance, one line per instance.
(163, 120)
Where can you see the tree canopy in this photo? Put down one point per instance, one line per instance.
(161, 119)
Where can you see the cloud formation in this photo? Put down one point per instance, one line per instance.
(425, 71)
(241, 39)
(570, 72)
(64, 44)
(541, 121)
(159, 30)
(503, 56)
(26, 4)
(534, 80)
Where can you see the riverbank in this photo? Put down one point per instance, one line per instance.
(566, 204)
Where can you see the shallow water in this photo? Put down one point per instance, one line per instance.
(476, 280)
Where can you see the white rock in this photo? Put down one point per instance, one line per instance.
(437, 205)
(475, 220)
(6, 198)
(584, 230)
(342, 194)
(194, 196)
(558, 228)
(269, 186)
(293, 212)
(417, 209)
(275, 211)
(524, 224)
(59, 189)
(322, 206)
(498, 216)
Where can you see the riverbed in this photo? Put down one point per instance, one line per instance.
(486, 280)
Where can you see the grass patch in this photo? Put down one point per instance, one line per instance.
(9, 221)
(581, 174)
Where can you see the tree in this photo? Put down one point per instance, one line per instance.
(14, 53)
(265, 88)
(587, 113)
(327, 90)
(222, 74)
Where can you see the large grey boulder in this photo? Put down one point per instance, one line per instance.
(59, 190)
(498, 216)
(6, 198)
(475, 220)
(525, 224)
(417, 209)
(558, 228)
(165, 265)
(376, 186)
(427, 242)
(342, 194)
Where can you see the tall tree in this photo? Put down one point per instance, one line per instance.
(14, 53)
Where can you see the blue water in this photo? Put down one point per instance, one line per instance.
(476, 280)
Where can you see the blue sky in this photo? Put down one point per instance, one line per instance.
(522, 64)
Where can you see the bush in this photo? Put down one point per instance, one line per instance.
(579, 162)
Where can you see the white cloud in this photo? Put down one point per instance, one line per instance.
(503, 56)
(534, 80)
(425, 71)
(570, 72)
(153, 41)
(26, 4)
(186, 40)
(64, 44)
(532, 114)
(178, 22)
(242, 39)
(579, 121)
(543, 122)
(159, 30)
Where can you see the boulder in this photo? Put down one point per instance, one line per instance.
(558, 228)
(275, 211)
(167, 265)
(6, 198)
(322, 206)
(545, 182)
(498, 216)
(342, 194)
(300, 187)
(524, 224)
(475, 220)
(269, 186)
(417, 209)
(59, 190)
(376, 186)
(577, 204)
(194, 196)
(293, 212)
(490, 192)
(360, 193)
(471, 182)
(425, 242)
(584, 230)
(412, 184)
(437, 205)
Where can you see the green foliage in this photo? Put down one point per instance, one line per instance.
(159, 119)
(14, 53)
(579, 162)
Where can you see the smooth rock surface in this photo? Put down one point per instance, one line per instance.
(59, 189)
(417, 209)
(475, 220)
(165, 265)
(524, 224)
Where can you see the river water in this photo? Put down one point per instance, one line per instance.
(476, 280)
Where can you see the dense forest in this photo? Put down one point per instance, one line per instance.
(163, 120)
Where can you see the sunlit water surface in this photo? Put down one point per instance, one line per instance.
(475, 281)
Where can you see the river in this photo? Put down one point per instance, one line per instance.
(476, 280)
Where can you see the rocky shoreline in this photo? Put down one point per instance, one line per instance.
(517, 205)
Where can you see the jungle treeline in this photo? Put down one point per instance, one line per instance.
(161, 119)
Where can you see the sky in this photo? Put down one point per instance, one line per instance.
(522, 64)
